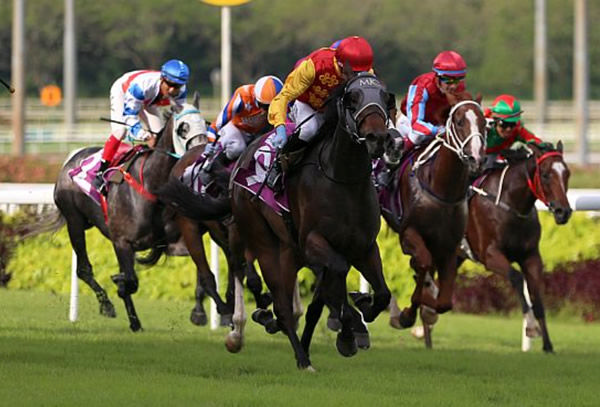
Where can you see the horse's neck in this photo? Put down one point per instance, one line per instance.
(514, 190)
(344, 160)
(448, 177)
(158, 164)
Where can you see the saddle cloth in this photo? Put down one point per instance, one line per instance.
(86, 171)
(390, 197)
(252, 174)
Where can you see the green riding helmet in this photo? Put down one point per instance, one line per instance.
(506, 108)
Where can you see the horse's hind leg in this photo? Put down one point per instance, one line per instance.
(127, 281)
(76, 229)
(532, 268)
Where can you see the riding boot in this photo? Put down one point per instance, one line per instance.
(98, 181)
(282, 163)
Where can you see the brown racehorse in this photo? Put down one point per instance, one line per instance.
(196, 215)
(503, 224)
(433, 190)
(335, 219)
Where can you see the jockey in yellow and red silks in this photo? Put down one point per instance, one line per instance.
(244, 117)
(309, 85)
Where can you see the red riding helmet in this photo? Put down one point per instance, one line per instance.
(355, 51)
(449, 63)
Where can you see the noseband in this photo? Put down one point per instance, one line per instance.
(370, 89)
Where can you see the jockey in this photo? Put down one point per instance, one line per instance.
(244, 117)
(142, 97)
(505, 127)
(307, 87)
(426, 95)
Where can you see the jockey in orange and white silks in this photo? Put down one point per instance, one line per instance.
(142, 97)
(426, 95)
(244, 117)
(310, 83)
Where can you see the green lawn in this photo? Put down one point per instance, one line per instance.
(46, 360)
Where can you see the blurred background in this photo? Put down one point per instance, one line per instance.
(498, 39)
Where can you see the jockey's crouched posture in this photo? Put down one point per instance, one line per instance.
(242, 119)
(505, 128)
(142, 97)
(308, 86)
(427, 95)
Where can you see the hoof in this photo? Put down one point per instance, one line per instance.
(334, 324)
(533, 332)
(310, 369)
(418, 332)
(428, 315)
(226, 320)
(395, 322)
(346, 348)
(362, 340)
(108, 310)
(233, 342)
(264, 300)
(406, 319)
(549, 349)
(135, 326)
(198, 318)
(360, 298)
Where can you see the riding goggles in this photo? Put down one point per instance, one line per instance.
(451, 80)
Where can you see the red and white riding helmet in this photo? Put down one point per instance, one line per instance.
(266, 88)
(357, 52)
(449, 63)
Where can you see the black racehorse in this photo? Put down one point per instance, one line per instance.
(433, 189)
(135, 220)
(334, 221)
(503, 224)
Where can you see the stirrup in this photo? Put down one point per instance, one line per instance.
(274, 179)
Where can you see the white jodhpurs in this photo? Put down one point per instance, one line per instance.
(300, 111)
(233, 140)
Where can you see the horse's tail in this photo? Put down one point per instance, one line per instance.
(44, 223)
(153, 257)
(198, 207)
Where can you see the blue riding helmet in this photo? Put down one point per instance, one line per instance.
(175, 71)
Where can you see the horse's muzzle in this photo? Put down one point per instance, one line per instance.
(474, 166)
(376, 142)
(561, 214)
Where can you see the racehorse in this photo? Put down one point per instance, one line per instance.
(196, 215)
(503, 224)
(134, 217)
(433, 188)
(333, 222)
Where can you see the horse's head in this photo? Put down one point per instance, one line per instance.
(551, 180)
(363, 112)
(189, 128)
(465, 131)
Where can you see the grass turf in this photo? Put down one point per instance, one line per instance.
(46, 360)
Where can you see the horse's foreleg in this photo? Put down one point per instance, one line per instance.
(254, 283)
(532, 268)
(446, 279)
(127, 281)
(371, 268)
(85, 272)
(496, 262)
(421, 261)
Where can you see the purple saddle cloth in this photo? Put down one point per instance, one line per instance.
(253, 175)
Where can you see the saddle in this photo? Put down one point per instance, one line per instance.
(123, 161)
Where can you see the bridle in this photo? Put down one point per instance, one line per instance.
(535, 184)
(449, 138)
(370, 89)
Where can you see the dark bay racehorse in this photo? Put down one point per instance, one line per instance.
(335, 219)
(503, 224)
(433, 194)
(135, 222)
(196, 215)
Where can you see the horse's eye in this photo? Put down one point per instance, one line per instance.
(545, 177)
(461, 121)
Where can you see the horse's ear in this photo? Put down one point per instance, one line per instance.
(559, 146)
(196, 101)
(478, 97)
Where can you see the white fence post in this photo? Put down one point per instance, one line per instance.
(525, 340)
(74, 302)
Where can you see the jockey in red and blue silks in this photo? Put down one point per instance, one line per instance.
(244, 117)
(426, 95)
(142, 97)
